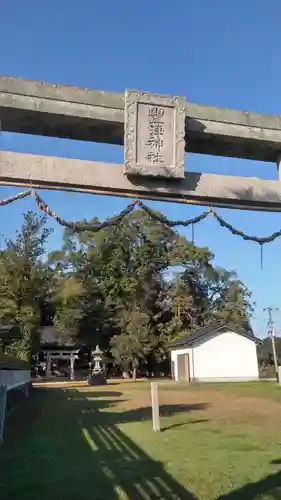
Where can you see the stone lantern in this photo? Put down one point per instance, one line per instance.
(97, 376)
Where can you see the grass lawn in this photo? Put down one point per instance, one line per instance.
(220, 441)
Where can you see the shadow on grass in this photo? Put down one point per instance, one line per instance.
(65, 447)
(268, 488)
(89, 404)
(61, 444)
(184, 424)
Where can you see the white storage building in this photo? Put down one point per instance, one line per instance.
(215, 353)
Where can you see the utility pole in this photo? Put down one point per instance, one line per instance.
(270, 327)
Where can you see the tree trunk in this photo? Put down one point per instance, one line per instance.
(134, 374)
(125, 375)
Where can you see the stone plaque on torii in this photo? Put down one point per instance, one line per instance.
(155, 129)
(154, 135)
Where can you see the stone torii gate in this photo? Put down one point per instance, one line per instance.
(156, 130)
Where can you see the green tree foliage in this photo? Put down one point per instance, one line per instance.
(24, 283)
(128, 296)
(133, 288)
(135, 342)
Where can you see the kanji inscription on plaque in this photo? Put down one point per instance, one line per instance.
(154, 140)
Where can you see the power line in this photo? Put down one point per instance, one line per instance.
(270, 326)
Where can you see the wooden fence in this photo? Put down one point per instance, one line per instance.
(14, 383)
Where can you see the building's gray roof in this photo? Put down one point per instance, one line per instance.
(49, 336)
(4, 328)
(9, 332)
(207, 332)
(12, 363)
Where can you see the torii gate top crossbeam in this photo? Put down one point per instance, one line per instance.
(61, 111)
(34, 107)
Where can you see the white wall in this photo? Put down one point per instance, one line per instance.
(228, 356)
(14, 378)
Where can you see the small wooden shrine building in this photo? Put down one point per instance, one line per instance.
(56, 348)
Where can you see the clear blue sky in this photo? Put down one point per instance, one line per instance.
(222, 53)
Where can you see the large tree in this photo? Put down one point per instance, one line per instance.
(24, 283)
(133, 287)
(117, 287)
(199, 295)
